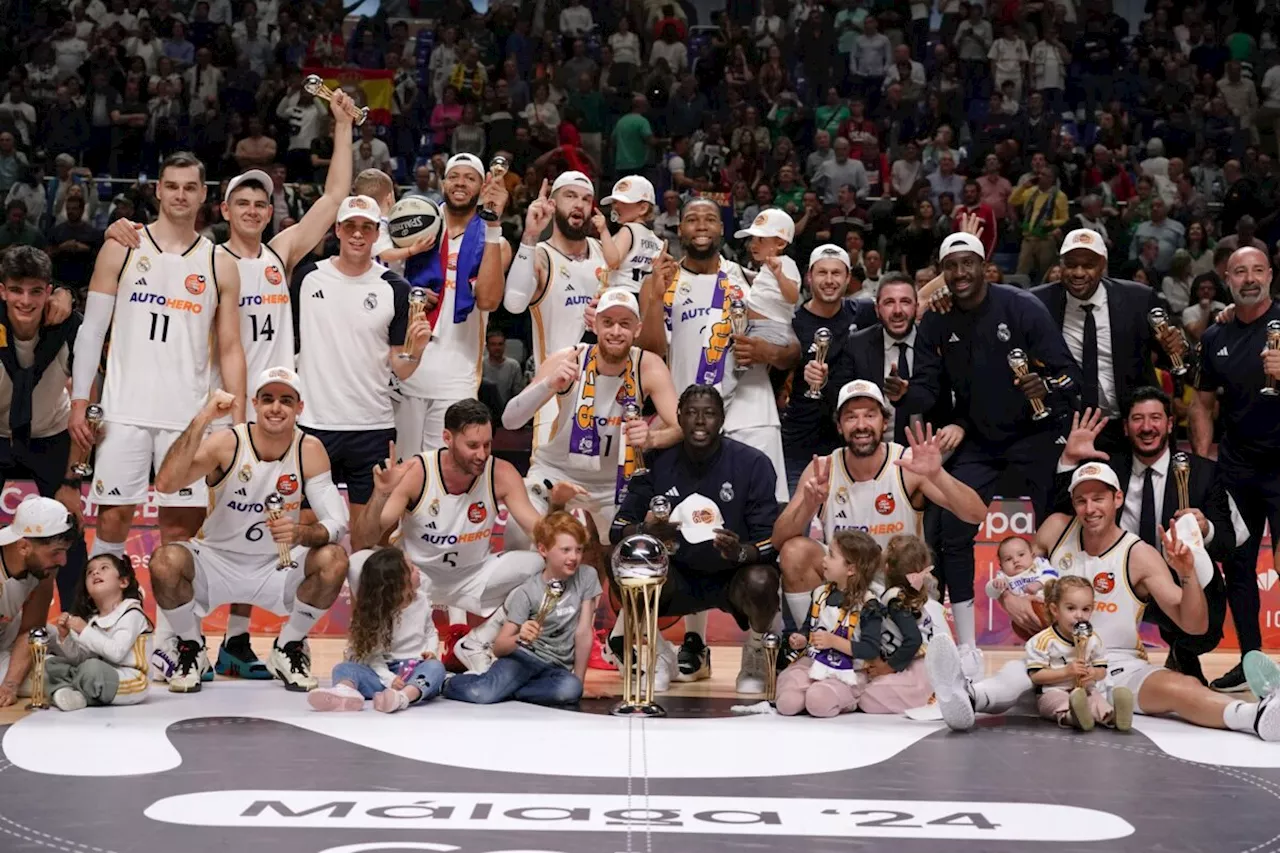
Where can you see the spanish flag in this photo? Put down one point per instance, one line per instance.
(369, 88)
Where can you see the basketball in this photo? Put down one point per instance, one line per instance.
(1039, 608)
(413, 219)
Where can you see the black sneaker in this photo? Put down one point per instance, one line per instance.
(236, 659)
(190, 667)
(694, 659)
(292, 665)
(1233, 682)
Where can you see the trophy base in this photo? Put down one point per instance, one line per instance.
(812, 395)
(487, 215)
(1039, 416)
(404, 356)
(1270, 392)
(37, 706)
(638, 709)
(82, 471)
(1180, 371)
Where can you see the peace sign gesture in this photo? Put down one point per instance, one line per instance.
(388, 474)
(541, 210)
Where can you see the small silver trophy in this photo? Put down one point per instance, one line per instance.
(661, 508)
(315, 86)
(550, 597)
(1020, 366)
(771, 642)
(738, 325)
(1182, 478)
(417, 307)
(1273, 342)
(1159, 320)
(631, 412)
(93, 417)
(498, 168)
(821, 345)
(275, 509)
(38, 639)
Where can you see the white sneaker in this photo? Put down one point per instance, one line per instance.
(476, 657)
(946, 675)
(164, 658)
(69, 699)
(1267, 723)
(292, 665)
(189, 668)
(751, 674)
(665, 669)
(971, 663)
(340, 697)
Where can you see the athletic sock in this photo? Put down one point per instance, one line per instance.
(798, 604)
(237, 625)
(696, 623)
(183, 621)
(101, 546)
(1239, 716)
(962, 614)
(487, 631)
(302, 618)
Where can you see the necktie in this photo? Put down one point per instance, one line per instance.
(1147, 519)
(1089, 357)
(904, 369)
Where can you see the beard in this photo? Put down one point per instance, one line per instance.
(568, 230)
(863, 446)
(461, 210)
(701, 254)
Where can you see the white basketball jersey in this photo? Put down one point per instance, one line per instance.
(237, 502)
(638, 263)
(554, 453)
(452, 363)
(266, 318)
(13, 596)
(880, 506)
(557, 317)
(161, 336)
(1117, 611)
(448, 536)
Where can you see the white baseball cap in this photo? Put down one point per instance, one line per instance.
(630, 190)
(277, 376)
(829, 252)
(573, 179)
(616, 297)
(469, 161)
(962, 242)
(36, 518)
(359, 207)
(770, 223)
(1096, 471)
(251, 175)
(860, 388)
(698, 517)
(1084, 238)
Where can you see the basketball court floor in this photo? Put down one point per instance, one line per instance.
(249, 767)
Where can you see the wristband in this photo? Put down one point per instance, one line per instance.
(493, 234)
(72, 482)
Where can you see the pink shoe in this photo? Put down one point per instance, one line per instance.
(338, 698)
(389, 701)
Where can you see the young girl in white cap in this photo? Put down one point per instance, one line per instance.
(775, 292)
(631, 251)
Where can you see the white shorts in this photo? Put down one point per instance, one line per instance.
(598, 502)
(1130, 673)
(126, 456)
(477, 589)
(419, 424)
(226, 578)
(768, 440)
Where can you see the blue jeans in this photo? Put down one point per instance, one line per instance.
(520, 675)
(427, 676)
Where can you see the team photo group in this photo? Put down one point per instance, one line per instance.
(706, 436)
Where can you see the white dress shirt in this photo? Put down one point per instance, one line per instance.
(1131, 515)
(1073, 331)
(891, 360)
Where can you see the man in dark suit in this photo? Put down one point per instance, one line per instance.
(1147, 475)
(891, 355)
(1104, 322)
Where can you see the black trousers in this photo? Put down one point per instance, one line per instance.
(1257, 494)
(1021, 468)
(1180, 642)
(44, 461)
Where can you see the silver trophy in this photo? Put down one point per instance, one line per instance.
(498, 168)
(417, 307)
(1081, 634)
(275, 509)
(738, 325)
(821, 345)
(1182, 478)
(93, 416)
(1020, 366)
(315, 86)
(771, 642)
(1269, 388)
(640, 566)
(1159, 320)
(550, 598)
(660, 506)
(631, 412)
(38, 640)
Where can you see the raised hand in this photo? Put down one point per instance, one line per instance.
(494, 195)
(895, 387)
(1085, 428)
(388, 474)
(971, 223)
(815, 488)
(925, 459)
(1178, 554)
(541, 211)
(599, 223)
(219, 404)
(564, 374)
(564, 491)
